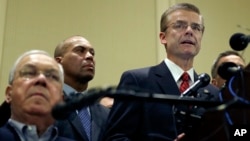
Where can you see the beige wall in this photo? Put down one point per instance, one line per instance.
(123, 32)
(3, 4)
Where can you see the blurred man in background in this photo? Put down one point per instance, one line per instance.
(226, 56)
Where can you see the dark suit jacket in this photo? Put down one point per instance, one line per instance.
(5, 113)
(8, 133)
(72, 127)
(143, 120)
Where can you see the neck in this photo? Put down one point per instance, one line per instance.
(78, 86)
(185, 64)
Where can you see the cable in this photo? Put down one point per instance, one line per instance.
(234, 94)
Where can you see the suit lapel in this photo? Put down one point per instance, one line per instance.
(76, 123)
(73, 119)
(95, 122)
(165, 79)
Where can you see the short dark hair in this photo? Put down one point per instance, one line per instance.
(62, 47)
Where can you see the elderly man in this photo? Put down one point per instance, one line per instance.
(35, 86)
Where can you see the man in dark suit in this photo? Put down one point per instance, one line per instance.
(182, 28)
(76, 55)
(35, 86)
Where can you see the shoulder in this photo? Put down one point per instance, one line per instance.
(212, 89)
(8, 133)
(144, 71)
(137, 71)
(209, 92)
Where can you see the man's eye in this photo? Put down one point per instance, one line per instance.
(28, 73)
(52, 76)
(80, 50)
(55, 77)
(196, 27)
(92, 52)
(178, 25)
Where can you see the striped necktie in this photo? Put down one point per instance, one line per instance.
(184, 82)
(85, 117)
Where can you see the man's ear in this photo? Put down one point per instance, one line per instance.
(214, 82)
(58, 59)
(162, 36)
(8, 94)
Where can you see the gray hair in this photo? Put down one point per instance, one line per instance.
(13, 69)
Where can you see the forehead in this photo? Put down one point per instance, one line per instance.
(38, 60)
(79, 41)
(185, 15)
(232, 58)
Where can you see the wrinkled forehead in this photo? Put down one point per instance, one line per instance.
(39, 60)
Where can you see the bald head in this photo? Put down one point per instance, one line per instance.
(62, 47)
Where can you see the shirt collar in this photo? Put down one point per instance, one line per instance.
(29, 132)
(176, 71)
(69, 90)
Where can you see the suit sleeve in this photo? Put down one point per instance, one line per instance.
(124, 118)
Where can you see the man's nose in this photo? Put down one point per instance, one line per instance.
(41, 79)
(89, 55)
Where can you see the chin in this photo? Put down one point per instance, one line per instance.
(85, 78)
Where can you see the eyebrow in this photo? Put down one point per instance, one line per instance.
(51, 69)
(84, 47)
(182, 21)
(29, 65)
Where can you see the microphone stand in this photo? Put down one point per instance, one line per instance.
(174, 99)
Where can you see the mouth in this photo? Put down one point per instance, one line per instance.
(189, 42)
(89, 66)
(38, 95)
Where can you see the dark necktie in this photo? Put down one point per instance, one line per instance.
(184, 82)
(86, 121)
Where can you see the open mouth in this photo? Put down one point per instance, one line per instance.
(188, 42)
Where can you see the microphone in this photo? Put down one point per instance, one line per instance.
(239, 41)
(64, 109)
(203, 80)
(228, 69)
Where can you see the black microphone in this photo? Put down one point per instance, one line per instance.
(239, 41)
(228, 69)
(203, 80)
(64, 109)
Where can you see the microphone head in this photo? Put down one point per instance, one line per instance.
(204, 78)
(238, 41)
(228, 69)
